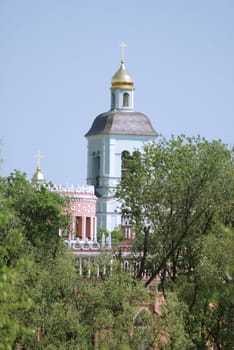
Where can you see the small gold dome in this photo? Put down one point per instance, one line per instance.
(122, 79)
(38, 177)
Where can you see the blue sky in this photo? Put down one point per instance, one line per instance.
(57, 58)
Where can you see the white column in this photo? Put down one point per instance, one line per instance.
(89, 267)
(81, 272)
(111, 262)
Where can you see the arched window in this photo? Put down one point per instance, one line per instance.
(142, 318)
(96, 169)
(126, 99)
(124, 162)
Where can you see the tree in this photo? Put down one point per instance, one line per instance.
(39, 210)
(29, 222)
(11, 261)
(179, 192)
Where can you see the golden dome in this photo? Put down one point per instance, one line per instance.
(122, 79)
(38, 177)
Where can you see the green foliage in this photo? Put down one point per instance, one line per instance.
(180, 196)
(77, 313)
(54, 288)
(216, 276)
(111, 311)
(11, 260)
(38, 209)
(116, 236)
(171, 326)
(29, 222)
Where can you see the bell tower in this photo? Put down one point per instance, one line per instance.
(112, 133)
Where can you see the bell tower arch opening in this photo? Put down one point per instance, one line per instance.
(124, 162)
(125, 99)
(96, 169)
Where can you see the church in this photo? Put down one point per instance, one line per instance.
(114, 133)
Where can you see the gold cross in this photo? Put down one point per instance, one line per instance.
(39, 156)
(123, 45)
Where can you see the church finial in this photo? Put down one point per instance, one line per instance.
(38, 156)
(122, 79)
(123, 45)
